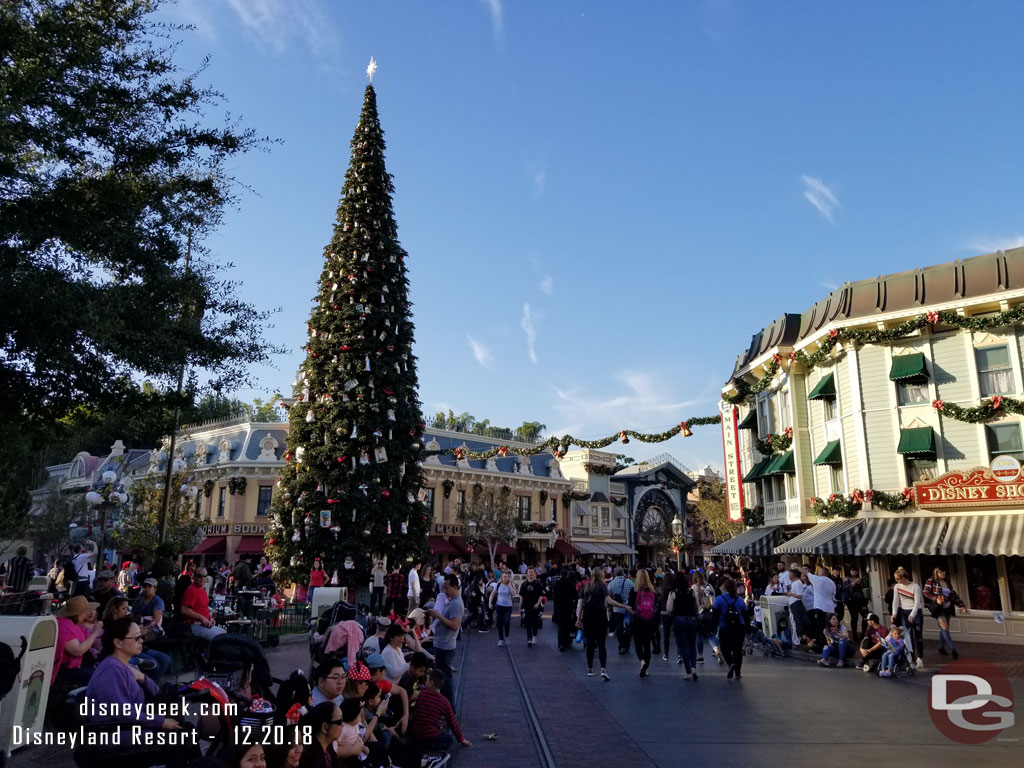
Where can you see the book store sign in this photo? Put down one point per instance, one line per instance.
(223, 529)
(999, 485)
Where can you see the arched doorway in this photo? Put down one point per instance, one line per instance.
(652, 524)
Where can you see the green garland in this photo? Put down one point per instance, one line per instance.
(599, 469)
(989, 409)
(1014, 316)
(533, 526)
(569, 496)
(838, 505)
(775, 443)
(560, 445)
(753, 516)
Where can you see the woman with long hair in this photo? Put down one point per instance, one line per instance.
(731, 615)
(644, 601)
(666, 618)
(908, 612)
(592, 618)
(682, 605)
(428, 585)
(531, 598)
(324, 723)
(704, 593)
(942, 602)
(501, 605)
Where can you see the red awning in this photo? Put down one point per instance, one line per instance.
(503, 549)
(210, 545)
(564, 547)
(251, 545)
(439, 545)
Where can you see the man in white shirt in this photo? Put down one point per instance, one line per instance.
(797, 608)
(80, 562)
(784, 578)
(414, 585)
(824, 598)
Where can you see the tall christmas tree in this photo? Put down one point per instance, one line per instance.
(350, 488)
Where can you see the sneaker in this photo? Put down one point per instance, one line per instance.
(590, 673)
(732, 671)
(822, 663)
(679, 659)
(700, 659)
(482, 631)
(841, 664)
(664, 657)
(501, 643)
(604, 676)
(437, 761)
(693, 676)
(738, 675)
(919, 664)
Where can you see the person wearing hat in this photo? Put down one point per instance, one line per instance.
(149, 605)
(74, 641)
(358, 679)
(104, 589)
(375, 643)
(400, 709)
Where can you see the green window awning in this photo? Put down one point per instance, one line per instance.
(908, 367)
(757, 471)
(783, 463)
(749, 421)
(826, 388)
(831, 455)
(914, 442)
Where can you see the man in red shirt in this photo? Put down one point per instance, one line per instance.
(395, 583)
(195, 608)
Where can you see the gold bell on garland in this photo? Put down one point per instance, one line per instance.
(684, 430)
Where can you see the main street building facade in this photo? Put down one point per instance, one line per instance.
(883, 427)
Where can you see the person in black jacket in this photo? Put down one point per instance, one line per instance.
(565, 595)
(531, 596)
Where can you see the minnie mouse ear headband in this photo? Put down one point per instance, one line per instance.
(359, 672)
(293, 714)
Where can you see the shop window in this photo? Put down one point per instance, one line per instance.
(995, 375)
(429, 499)
(460, 502)
(199, 505)
(605, 517)
(554, 511)
(263, 503)
(982, 584)
(912, 392)
(1015, 577)
(919, 470)
(580, 521)
(222, 502)
(1005, 439)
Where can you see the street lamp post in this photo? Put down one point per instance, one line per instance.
(677, 532)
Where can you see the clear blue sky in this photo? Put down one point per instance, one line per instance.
(600, 205)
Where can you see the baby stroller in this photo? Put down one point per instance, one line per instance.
(904, 667)
(231, 660)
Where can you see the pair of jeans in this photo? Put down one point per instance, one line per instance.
(443, 658)
(531, 620)
(503, 618)
(945, 638)
(842, 648)
(440, 743)
(686, 640)
(596, 632)
(376, 600)
(732, 646)
(888, 661)
(643, 630)
(912, 631)
(207, 633)
(162, 661)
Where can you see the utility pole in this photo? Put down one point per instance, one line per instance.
(168, 474)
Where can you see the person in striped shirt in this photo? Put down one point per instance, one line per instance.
(431, 710)
(908, 612)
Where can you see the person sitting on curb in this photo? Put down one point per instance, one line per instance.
(837, 641)
(431, 710)
(782, 640)
(872, 645)
(894, 647)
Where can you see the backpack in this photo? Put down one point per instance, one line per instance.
(733, 618)
(645, 605)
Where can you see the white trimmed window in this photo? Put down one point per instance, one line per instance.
(995, 374)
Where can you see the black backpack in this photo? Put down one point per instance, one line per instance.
(733, 617)
(10, 666)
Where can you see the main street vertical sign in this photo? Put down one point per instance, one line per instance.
(731, 450)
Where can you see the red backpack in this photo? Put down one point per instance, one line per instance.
(645, 605)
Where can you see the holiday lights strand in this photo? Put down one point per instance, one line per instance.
(744, 390)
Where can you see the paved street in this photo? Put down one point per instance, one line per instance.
(783, 712)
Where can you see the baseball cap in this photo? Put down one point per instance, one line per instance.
(105, 575)
(375, 661)
(150, 583)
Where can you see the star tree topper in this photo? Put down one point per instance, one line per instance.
(371, 69)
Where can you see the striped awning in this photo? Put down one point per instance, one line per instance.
(838, 537)
(902, 536)
(984, 535)
(757, 542)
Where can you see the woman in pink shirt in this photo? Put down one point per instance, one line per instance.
(74, 641)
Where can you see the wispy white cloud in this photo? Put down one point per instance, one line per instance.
(530, 329)
(828, 285)
(538, 177)
(547, 284)
(820, 196)
(497, 12)
(480, 352)
(646, 402)
(992, 244)
(278, 25)
(196, 13)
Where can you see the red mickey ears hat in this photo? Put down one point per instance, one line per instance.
(360, 672)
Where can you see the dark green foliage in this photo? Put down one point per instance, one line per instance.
(356, 392)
